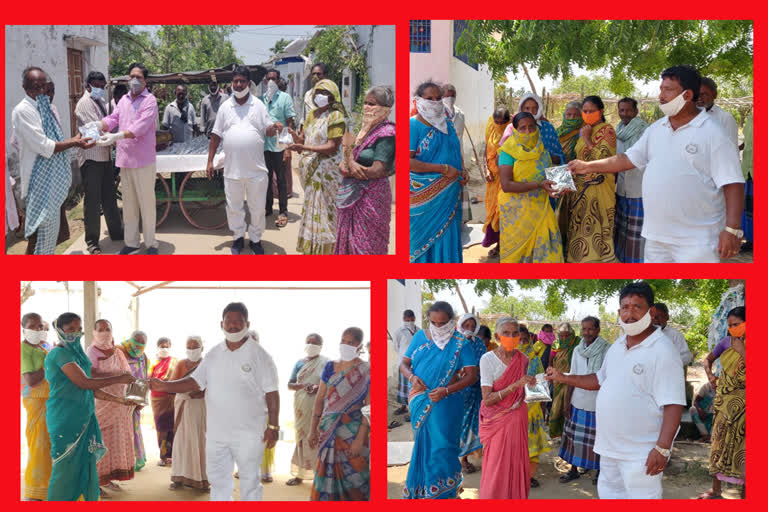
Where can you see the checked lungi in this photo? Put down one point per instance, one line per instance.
(402, 389)
(628, 244)
(579, 439)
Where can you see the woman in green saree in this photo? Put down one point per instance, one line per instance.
(76, 443)
(562, 353)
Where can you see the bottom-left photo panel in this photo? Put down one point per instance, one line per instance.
(195, 390)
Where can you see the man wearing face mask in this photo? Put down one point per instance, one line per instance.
(242, 402)
(660, 317)
(179, 116)
(643, 369)
(693, 188)
(243, 124)
(209, 107)
(402, 340)
(318, 72)
(34, 392)
(45, 181)
(454, 113)
(136, 118)
(280, 108)
(96, 169)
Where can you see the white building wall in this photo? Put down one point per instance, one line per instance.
(399, 298)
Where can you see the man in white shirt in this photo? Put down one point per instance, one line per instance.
(640, 399)
(693, 192)
(707, 96)
(660, 315)
(403, 338)
(243, 406)
(243, 123)
(577, 447)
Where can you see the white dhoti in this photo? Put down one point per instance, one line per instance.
(626, 480)
(660, 252)
(246, 450)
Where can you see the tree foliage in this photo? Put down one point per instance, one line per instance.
(528, 308)
(627, 49)
(593, 84)
(279, 46)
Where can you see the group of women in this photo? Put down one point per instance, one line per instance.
(347, 197)
(527, 220)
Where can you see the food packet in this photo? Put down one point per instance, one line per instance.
(562, 178)
(90, 133)
(284, 139)
(539, 392)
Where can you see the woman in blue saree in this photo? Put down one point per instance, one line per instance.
(437, 175)
(76, 444)
(438, 364)
(473, 395)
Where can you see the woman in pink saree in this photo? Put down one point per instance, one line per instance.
(504, 417)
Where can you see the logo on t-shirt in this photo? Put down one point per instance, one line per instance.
(638, 369)
(692, 148)
(246, 368)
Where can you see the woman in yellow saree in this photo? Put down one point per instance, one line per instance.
(494, 130)
(529, 232)
(586, 216)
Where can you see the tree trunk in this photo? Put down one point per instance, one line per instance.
(530, 82)
(461, 297)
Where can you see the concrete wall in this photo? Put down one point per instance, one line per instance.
(399, 298)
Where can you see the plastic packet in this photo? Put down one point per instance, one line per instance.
(562, 178)
(284, 139)
(539, 392)
(89, 132)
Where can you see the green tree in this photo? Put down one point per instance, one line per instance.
(627, 49)
(593, 84)
(527, 308)
(279, 46)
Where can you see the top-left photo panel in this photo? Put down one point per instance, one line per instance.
(199, 139)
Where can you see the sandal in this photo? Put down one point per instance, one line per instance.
(469, 468)
(709, 495)
(267, 479)
(534, 483)
(493, 253)
(175, 485)
(94, 250)
(571, 475)
(294, 481)
(394, 424)
(281, 221)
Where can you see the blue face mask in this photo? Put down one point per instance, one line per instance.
(69, 337)
(97, 93)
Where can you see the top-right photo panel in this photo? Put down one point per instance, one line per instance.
(598, 141)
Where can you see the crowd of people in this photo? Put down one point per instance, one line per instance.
(345, 177)
(671, 192)
(210, 412)
(456, 369)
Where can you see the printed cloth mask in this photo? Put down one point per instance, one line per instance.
(433, 112)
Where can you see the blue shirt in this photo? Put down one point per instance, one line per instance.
(280, 109)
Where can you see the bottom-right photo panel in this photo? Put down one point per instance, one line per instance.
(566, 388)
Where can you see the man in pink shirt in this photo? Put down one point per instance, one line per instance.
(136, 118)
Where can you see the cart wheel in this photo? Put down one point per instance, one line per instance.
(163, 195)
(202, 201)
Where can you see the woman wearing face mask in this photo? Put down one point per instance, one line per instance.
(34, 392)
(532, 104)
(320, 147)
(76, 442)
(560, 359)
(494, 129)
(728, 452)
(503, 417)
(529, 232)
(188, 465)
(133, 350)
(339, 430)
(115, 419)
(439, 364)
(586, 216)
(569, 129)
(162, 402)
(437, 176)
(365, 199)
(305, 381)
(470, 440)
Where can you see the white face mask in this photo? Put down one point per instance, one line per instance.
(441, 335)
(35, 337)
(468, 333)
(162, 353)
(240, 94)
(271, 89)
(636, 328)
(312, 350)
(410, 325)
(671, 108)
(194, 354)
(449, 102)
(136, 85)
(321, 100)
(433, 112)
(348, 352)
(233, 337)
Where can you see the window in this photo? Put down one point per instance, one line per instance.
(459, 26)
(421, 36)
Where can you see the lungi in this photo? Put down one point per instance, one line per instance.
(579, 440)
(628, 244)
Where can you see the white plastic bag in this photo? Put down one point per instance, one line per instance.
(539, 392)
(89, 133)
(562, 178)
(284, 139)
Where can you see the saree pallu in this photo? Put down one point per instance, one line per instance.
(561, 361)
(38, 470)
(473, 396)
(305, 458)
(162, 407)
(503, 431)
(493, 133)
(188, 464)
(435, 471)
(339, 477)
(363, 226)
(538, 442)
(320, 178)
(727, 456)
(587, 215)
(138, 366)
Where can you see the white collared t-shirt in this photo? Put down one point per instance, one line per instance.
(685, 170)
(235, 383)
(243, 129)
(678, 340)
(726, 122)
(635, 385)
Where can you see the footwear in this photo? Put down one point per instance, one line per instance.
(534, 483)
(394, 424)
(129, 250)
(237, 246)
(267, 213)
(293, 481)
(401, 410)
(407, 418)
(256, 247)
(281, 221)
(570, 475)
(152, 250)
(175, 485)
(94, 249)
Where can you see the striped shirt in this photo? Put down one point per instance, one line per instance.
(88, 110)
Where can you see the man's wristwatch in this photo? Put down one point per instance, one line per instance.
(736, 232)
(273, 427)
(662, 451)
